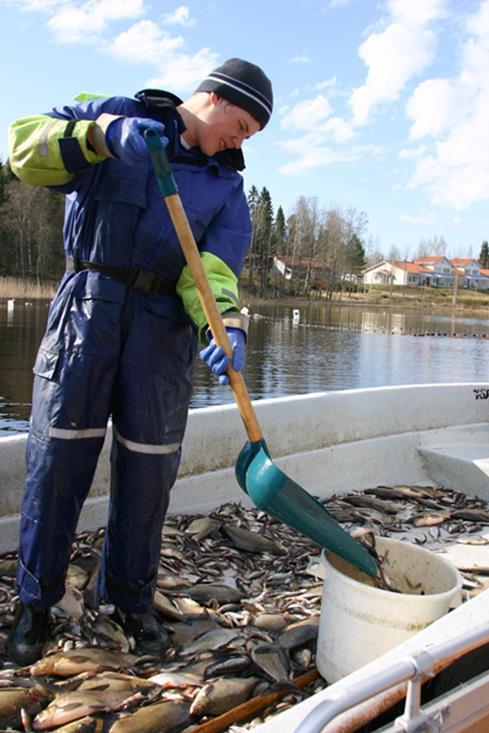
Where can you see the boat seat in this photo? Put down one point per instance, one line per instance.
(458, 466)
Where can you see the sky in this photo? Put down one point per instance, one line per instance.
(382, 106)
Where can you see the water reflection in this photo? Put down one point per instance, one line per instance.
(331, 347)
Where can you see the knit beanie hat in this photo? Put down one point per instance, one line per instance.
(243, 84)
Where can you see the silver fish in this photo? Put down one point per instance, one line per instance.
(162, 717)
(203, 527)
(206, 592)
(223, 694)
(299, 634)
(251, 541)
(67, 663)
(210, 640)
(13, 700)
(75, 705)
(273, 660)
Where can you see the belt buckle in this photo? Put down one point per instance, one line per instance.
(145, 281)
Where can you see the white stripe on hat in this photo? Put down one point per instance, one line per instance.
(259, 101)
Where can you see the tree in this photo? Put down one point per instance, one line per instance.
(355, 253)
(261, 211)
(279, 233)
(31, 220)
(484, 254)
(433, 247)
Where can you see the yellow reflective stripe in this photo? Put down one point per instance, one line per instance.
(148, 448)
(66, 434)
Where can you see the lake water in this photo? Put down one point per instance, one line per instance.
(332, 347)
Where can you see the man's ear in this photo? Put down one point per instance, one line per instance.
(214, 98)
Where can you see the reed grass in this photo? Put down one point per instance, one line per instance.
(12, 287)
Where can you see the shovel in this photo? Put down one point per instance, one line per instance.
(269, 488)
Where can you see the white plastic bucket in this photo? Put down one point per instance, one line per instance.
(359, 622)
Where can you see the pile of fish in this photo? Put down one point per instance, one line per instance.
(240, 598)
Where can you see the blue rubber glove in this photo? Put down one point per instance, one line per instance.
(214, 357)
(124, 138)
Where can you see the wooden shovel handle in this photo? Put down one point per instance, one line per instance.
(212, 314)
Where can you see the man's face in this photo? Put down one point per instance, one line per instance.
(225, 126)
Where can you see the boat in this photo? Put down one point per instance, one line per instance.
(332, 443)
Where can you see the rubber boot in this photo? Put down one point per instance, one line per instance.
(149, 635)
(28, 634)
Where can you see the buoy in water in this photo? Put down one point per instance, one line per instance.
(296, 315)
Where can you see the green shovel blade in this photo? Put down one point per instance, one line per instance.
(274, 492)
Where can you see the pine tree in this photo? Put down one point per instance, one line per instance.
(484, 254)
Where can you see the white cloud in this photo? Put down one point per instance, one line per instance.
(393, 55)
(417, 12)
(306, 114)
(434, 106)
(319, 156)
(145, 42)
(424, 218)
(80, 23)
(180, 16)
(300, 59)
(326, 84)
(415, 152)
(454, 112)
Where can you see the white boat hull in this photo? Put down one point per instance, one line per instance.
(330, 443)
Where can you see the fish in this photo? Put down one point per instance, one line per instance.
(90, 591)
(273, 660)
(163, 717)
(107, 629)
(83, 725)
(169, 680)
(251, 541)
(76, 576)
(115, 681)
(72, 602)
(223, 694)
(213, 639)
(431, 520)
(71, 706)
(16, 699)
(203, 527)
(206, 592)
(166, 607)
(67, 663)
(231, 665)
(299, 634)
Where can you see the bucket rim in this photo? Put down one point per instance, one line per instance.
(380, 592)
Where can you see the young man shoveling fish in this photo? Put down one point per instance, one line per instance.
(124, 326)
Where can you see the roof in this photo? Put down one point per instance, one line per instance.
(457, 261)
(411, 267)
(427, 260)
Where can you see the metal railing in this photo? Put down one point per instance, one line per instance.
(411, 669)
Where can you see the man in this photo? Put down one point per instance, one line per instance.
(124, 325)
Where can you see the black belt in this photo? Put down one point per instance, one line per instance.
(144, 280)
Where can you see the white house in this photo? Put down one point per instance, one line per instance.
(435, 271)
(396, 273)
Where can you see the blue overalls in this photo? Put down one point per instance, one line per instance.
(113, 350)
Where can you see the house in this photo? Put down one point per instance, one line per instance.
(472, 273)
(441, 271)
(436, 271)
(396, 272)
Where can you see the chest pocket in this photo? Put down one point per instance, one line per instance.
(115, 207)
